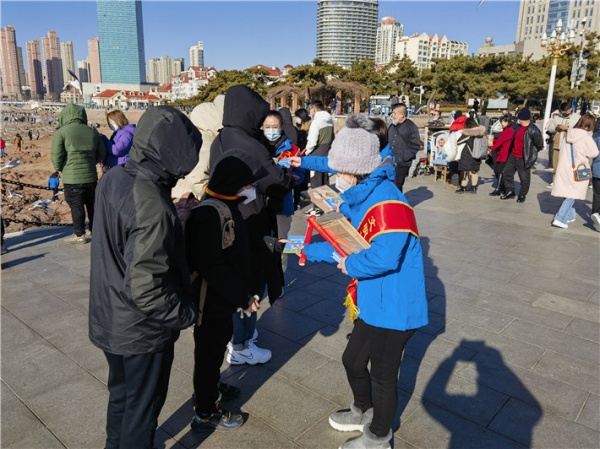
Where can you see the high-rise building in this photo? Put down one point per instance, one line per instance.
(93, 59)
(165, 66)
(346, 30)
(68, 59)
(121, 35)
(9, 64)
(422, 48)
(197, 55)
(152, 70)
(178, 67)
(539, 17)
(36, 77)
(53, 65)
(22, 74)
(389, 30)
(83, 71)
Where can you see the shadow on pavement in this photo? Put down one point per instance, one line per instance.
(490, 370)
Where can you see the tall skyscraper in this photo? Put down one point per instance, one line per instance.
(121, 35)
(22, 74)
(83, 71)
(152, 70)
(346, 30)
(53, 64)
(197, 55)
(36, 77)
(9, 64)
(68, 59)
(389, 30)
(178, 67)
(94, 69)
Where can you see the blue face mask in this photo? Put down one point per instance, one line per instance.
(272, 134)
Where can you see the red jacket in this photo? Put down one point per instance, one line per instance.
(502, 144)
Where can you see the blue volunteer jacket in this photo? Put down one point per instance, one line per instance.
(391, 277)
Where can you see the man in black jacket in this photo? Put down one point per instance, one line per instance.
(403, 136)
(139, 281)
(243, 115)
(526, 144)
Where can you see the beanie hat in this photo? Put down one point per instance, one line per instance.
(524, 114)
(355, 149)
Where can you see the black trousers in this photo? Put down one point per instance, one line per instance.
(138, 387)
(401, 174)
(498, 171)
(319, 178)
(596, 198)
(80, 197)
(210, 341)
(383, 348)
(513, 165)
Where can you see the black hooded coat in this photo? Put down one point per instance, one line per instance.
(243, 114)
(288, 125)
(139, 283)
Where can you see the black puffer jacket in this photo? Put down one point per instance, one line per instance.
(139, 283)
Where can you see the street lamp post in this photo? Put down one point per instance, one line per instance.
(557, 45)
(575, 81)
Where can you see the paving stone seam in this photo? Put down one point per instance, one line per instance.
(582, 407)
(34, 414)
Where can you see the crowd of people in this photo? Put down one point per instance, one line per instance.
(191, 214)
(208, 260)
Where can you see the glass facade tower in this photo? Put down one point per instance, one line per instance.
(121, 36)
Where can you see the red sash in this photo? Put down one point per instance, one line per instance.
(384, 217)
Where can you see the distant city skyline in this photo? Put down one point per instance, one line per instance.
(238, 35)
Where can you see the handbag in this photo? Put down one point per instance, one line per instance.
(581, 172)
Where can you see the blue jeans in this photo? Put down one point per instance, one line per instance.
(566, 212)
(243, 328)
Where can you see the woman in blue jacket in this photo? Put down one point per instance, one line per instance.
(390, 282)
(119, 143)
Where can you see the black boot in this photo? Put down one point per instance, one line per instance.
(495, 192)
(507, 195)
(461, 189)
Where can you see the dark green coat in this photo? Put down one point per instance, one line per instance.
(76, 148)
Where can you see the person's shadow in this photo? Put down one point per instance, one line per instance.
(485, 404)
(418, 345)
(418, 195)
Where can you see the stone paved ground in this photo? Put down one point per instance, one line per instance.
(510, 358)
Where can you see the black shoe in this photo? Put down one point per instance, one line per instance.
(461, 189)
(495, 193)
(228, 392)
(507, 195)
(521, 199)
(472, 189)
(217, 419)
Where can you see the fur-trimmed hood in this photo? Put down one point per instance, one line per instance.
(479, 131)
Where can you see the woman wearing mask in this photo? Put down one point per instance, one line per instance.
(281, 147)
(580, 147)
(119, 143)
(390, 283)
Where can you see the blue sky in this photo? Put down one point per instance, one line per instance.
(240, 34)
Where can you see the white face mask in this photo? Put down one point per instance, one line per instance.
(341, 184)
(249, 194)
(113, 126)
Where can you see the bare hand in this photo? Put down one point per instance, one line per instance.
(253, 305)
(295, 161)
(342, 265)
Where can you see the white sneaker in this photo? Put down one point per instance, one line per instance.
(559, 224)
(549, 186)
(251, 355)
(596, 219)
